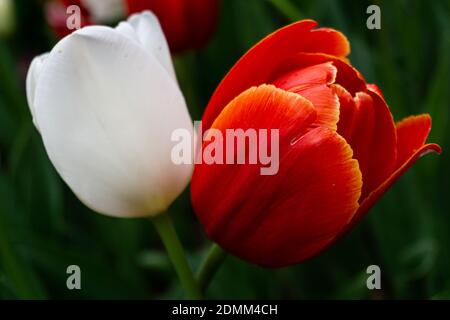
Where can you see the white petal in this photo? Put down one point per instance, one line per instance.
(106, 109)
(127, 30)
(32, 77)
(105, 10)
(145, 28)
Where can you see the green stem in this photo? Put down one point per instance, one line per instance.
(209, 266)
(166, 231)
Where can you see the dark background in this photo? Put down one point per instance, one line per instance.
(44, 228)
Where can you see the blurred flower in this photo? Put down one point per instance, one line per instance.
(340, 149)
(56, 16)
(187, 24)
(106, 102)
(99, 11)
(7, 18)
(103, 11)
(92, 12)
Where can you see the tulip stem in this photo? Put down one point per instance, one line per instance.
(164, 227)
(209, 266)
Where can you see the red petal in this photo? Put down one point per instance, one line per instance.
(285, 218)
(257, 65)
(319, 74)
(375, 195)
(412, 132)
(313, 83)
(347, 108)
(374, 88)
(347, 76)
(367, 125)
(267, 107)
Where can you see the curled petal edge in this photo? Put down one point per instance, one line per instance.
(377, 193)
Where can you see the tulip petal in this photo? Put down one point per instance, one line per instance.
(259, 63)
(346, 109)
(294, 110)
(312, 197)
(374, 88)
(107, 110)
(146, 30)
(347, 76)
(375, 195)
(34, 72)
(313, 83)
(367, 125)
(412, 132)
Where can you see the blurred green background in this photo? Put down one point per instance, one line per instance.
(44, 228)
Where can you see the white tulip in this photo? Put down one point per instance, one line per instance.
(106, 102)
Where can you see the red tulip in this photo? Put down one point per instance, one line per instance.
(187, 24)
(339, 147)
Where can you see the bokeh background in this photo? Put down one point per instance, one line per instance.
(44, 228)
